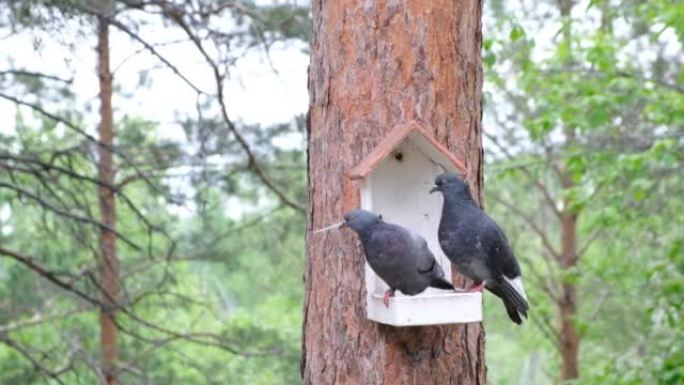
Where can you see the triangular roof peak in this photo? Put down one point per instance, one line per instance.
(396, 137)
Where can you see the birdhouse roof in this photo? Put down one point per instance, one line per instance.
(394, 138)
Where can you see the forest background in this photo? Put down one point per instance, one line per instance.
(584, 147)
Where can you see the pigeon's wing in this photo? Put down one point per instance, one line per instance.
(425, 260)
(390, 242)
(507, 282)
(404, 261)
(390, 253)
(500, 257)
(429, 270)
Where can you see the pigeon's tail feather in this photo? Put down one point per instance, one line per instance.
(512, 312)
(514, 301)
(441, 283)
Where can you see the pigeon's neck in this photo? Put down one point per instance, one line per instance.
(454, 204)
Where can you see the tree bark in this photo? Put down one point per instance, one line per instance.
(567, 306)
(569, 338)
(108, 264)
(374, 65)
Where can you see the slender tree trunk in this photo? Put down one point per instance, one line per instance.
(109, 264)
(567, 306)
(374, 65)
(569, 337)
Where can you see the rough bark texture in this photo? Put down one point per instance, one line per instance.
(374, 65)
(109, 264)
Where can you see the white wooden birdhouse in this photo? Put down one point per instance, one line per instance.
(394, 181)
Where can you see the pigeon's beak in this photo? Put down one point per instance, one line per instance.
(333, 226)
(436, 188)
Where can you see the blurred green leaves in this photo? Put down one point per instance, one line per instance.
(591, 108)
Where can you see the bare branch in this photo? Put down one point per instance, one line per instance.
(38, 319)
(35, 75)
(543, 283)
(176, 15)
(592, 237)
(218, 77)
(530, 222)
(599, 305)
(47, 274)
(51, 166)
(545, 326)
(201, 338)
(33, 196)
(89, 137)
(51, 116)
(123, 28)
(37, 365)
(72, 174)
(540, 186)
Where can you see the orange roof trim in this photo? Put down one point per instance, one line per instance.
(391, 140)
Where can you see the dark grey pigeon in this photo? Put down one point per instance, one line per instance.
(397, 255)
(478, 247)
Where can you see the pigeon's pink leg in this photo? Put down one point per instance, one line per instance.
(388, 294)
(476, 286)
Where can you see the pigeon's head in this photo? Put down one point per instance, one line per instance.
(450, 182)
(360, 220)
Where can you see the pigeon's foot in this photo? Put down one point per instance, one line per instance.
(388, 294)
(475, 287)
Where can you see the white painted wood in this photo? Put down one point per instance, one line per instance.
(398, 189)
(427, 309)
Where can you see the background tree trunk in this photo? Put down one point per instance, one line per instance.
(374, 65)
(109, 264)
(569, 338)
(567, 306)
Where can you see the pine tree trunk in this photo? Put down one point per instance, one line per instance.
(374, 65)
(109, 264)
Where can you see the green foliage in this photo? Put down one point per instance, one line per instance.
(286, 22)
(236, 276)
(577, 97)
(588, 107)
(211, 263)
